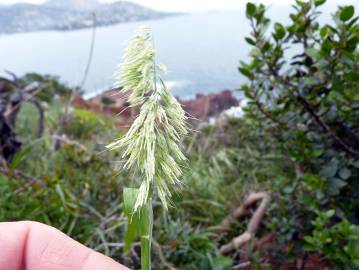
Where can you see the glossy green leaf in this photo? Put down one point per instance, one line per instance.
(330, 213)
(326, 47)
(347, 13)
(345, 173)
(250, 41)
(352, 76)
(324, 31)
(245, 71)
(330, 169)
(279, 31)
(352, 44)
(266, 47)
(251, 9)
(335, 185)
(318, 3)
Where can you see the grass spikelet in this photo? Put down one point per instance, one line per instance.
(151, 145)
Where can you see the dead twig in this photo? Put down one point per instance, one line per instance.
(66, 140)
(253, 224)
(12, 96)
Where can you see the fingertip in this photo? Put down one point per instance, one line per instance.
(96, 261)
(48, 248)
(12, 238)
(35, 246)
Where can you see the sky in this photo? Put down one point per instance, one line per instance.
(184, 5)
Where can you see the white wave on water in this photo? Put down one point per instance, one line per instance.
(92, 94)
(237, 112)
(172, 85)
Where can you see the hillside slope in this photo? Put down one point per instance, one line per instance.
(70, 15)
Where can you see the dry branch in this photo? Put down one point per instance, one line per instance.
(253, 224)
(12, 96)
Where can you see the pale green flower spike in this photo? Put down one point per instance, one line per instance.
(151, 144)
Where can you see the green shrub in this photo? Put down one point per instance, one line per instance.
(85, 124)
(51, 86)
(340, 243)
(303, 81)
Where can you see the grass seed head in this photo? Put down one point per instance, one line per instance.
(151, 145)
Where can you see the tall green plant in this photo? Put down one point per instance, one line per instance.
(151, 146)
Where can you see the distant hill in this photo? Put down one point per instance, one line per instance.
(70, 15)
(74, 4)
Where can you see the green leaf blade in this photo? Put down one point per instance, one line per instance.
(133, 224)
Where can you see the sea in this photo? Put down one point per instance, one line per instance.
(201, 50)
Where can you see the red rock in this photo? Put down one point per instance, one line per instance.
(204, 106)
(79, 102)
(114, 103)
